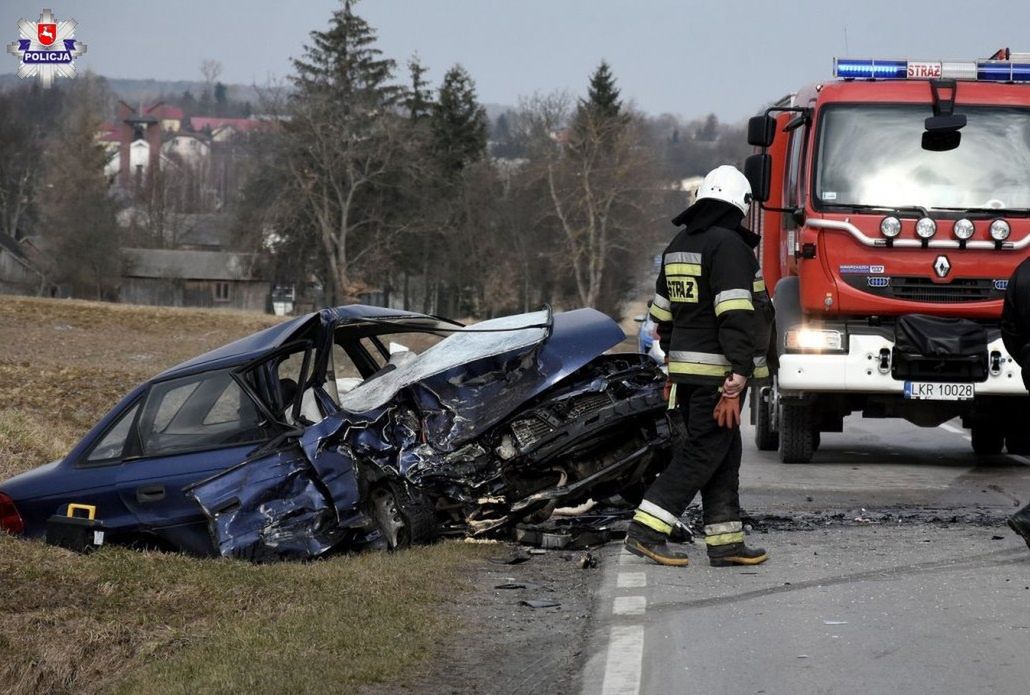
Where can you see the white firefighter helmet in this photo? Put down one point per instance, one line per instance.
(727, 184)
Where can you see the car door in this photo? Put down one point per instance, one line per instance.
(188, 429)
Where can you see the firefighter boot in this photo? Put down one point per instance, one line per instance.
(725, 541)
(1020, 523)
(654, 545)
(736, 554)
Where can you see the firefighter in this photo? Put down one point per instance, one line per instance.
(705, 312)
(1015, 332)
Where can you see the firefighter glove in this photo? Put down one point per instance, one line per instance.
(727, 412)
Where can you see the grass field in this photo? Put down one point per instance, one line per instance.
(128, 621)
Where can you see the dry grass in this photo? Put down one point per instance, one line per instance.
(136, 622)
(121, 620)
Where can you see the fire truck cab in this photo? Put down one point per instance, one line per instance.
(895, 204)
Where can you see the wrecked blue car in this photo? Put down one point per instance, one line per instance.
(326, 432)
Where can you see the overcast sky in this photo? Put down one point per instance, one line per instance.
(676, 56)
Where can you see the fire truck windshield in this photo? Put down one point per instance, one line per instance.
(871, 156)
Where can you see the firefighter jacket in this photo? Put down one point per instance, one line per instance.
(1015, 319)
(705, 305)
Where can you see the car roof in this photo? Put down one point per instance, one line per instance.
(270, 339)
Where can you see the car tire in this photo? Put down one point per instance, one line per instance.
(403, 519)
(797, 433)
(987, 440)
(766, 438)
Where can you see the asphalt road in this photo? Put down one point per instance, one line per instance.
(891, 571)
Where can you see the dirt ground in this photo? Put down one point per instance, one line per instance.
(506, 647)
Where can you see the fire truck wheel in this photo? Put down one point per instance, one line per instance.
(987, 441)
(797, 433)
(1018, 443)
(766, 438)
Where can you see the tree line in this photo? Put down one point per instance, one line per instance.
(375, 181)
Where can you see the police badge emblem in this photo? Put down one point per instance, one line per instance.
(46, 49)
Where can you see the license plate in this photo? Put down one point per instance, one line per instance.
(935, 391)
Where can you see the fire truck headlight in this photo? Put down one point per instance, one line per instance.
(926, 228)
(890, 227)
(1000, 230)
(803, 339)
(963, 228)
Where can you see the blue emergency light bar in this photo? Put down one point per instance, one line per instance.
(982, 71)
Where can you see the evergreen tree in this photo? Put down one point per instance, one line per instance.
(343, 62)
(458, 123)
(709, 132)
(602, 94)
(221, 98)
(599, 117)
(418, 100)
(78, 213)
(188, 103)
(343, 149)
(502, 130)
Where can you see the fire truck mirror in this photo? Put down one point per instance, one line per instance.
(761, 131)
(758, 170)
(942, 132)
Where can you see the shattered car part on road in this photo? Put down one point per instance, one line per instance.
(319, 433)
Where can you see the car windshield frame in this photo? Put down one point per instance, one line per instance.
(464, 345)
(917, 112)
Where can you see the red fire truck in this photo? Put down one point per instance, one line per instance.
(895, 205)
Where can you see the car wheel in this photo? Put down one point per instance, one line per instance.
(404, 518)
(797, 433)
(987, 440)
(387, 514)
(766, 438)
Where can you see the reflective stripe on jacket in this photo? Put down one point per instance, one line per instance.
(704, 304)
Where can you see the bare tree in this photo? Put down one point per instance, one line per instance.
(602, 185)
(211, 70)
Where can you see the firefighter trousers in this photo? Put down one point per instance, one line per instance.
(705, 460)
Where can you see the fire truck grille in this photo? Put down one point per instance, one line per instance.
(921, 289)
(916, 289)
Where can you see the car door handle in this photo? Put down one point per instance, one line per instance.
(150, 493)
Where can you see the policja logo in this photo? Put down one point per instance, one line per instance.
(33, 49)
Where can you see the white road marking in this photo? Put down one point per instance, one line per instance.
(1022, 459)
(626, 557)
(631, 580)
(629, 605)
(953, 430)
(625, 657)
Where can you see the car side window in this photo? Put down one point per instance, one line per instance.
(112, 445)
(203, 411)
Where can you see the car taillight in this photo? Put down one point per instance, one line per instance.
(10, 519)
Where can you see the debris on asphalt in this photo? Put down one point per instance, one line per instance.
(516, 558)
(540, 603)
(587, 561)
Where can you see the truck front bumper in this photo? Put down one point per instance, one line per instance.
(859, 371)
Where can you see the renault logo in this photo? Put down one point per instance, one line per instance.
(942, 266)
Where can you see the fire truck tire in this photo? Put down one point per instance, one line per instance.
(987, 440)
(766, 438)
(797, 433)
(1017, 444)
